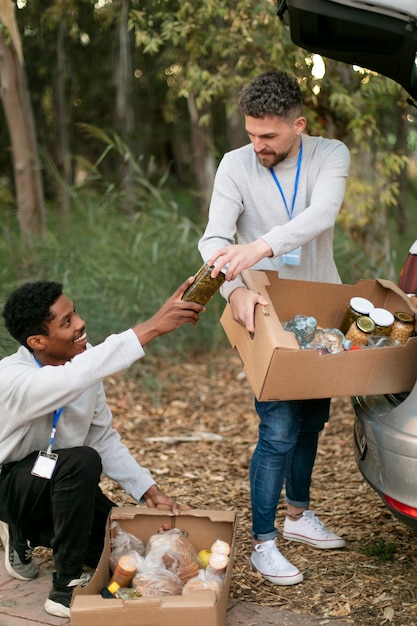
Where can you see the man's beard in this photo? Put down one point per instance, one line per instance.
(271, 159)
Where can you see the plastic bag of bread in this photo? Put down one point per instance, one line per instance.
(157, 582)
(176, 552)
(123, 543)
(202, 581)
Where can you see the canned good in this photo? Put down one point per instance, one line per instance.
(360, 330)
(403, 326)
(383, 321)
(357, 307)
(204, 286)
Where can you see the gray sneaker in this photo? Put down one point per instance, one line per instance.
(18, 554)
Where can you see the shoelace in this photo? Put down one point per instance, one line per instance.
(82, 580)
(315, 522)
(24, 553)
(271, 555)
(28, 553)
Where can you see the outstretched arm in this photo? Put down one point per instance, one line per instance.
(172, 314)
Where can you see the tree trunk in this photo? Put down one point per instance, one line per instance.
(124, 114)
(202, 156)
(63, 158)
(19, 116)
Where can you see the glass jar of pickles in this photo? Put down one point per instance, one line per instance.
(360, 330)
(403, 326)
(357, 307)
(204, 286)
(383, 320)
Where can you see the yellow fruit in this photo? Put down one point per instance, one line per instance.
(203, 557)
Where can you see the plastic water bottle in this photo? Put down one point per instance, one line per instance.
(304, 328)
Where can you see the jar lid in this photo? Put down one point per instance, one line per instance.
(402, 316)
(381, 317)
(365, 324)
(361, 305)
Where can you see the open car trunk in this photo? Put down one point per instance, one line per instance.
(379, 35)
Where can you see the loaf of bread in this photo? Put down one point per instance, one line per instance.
(158, 583)
(177, 553)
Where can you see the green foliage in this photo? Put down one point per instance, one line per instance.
(381, 550)
(119, 268)
(209, 49)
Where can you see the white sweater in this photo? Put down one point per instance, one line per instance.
(30, 394)
(246, 203)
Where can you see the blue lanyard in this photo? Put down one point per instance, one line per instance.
(57, 415)
(297, 178)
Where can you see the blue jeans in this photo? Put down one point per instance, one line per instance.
(286, 451)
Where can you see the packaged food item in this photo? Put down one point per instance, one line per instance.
(332, 340)
(176, 551)
(124, 571)
(383, 321)
(403, 326)
(202, 581)
(360, 330)
(110, 591)
(304, 328)
(357, 307)
(115, 591)
(382, 341)
(204, 286)
(157, 582)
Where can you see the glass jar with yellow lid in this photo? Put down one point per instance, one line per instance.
(360, 330)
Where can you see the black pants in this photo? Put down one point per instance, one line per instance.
(67, 513)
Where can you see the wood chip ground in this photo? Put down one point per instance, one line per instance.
(194, 425)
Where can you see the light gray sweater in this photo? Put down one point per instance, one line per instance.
(246, 203)
(30, 394)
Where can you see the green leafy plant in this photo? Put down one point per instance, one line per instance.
(381, 550)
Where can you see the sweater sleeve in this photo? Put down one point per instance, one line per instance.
(43, 389)
(226, 205)
(118, 463)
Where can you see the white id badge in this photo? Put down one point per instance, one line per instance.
(45, 464)
(293, 257)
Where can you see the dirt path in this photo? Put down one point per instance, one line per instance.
(196, 432)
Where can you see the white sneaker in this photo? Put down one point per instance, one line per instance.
(309, 529)
(268, 560)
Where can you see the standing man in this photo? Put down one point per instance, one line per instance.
(56, 436)
(280, 195)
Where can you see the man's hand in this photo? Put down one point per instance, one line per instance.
(155, 498)
(172, 314)
(238, 257)
(242, 303)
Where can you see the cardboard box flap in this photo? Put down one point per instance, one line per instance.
(271, 328)
(130, 512)
(204, 598)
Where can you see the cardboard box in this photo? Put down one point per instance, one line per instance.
(277, 369)
(204, 607)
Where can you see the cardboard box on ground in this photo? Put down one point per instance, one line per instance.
(203, 527)
(277, 369)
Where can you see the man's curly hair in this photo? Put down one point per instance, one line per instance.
(27, 310)
(271, 93)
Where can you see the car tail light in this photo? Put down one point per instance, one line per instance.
(405, 509)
